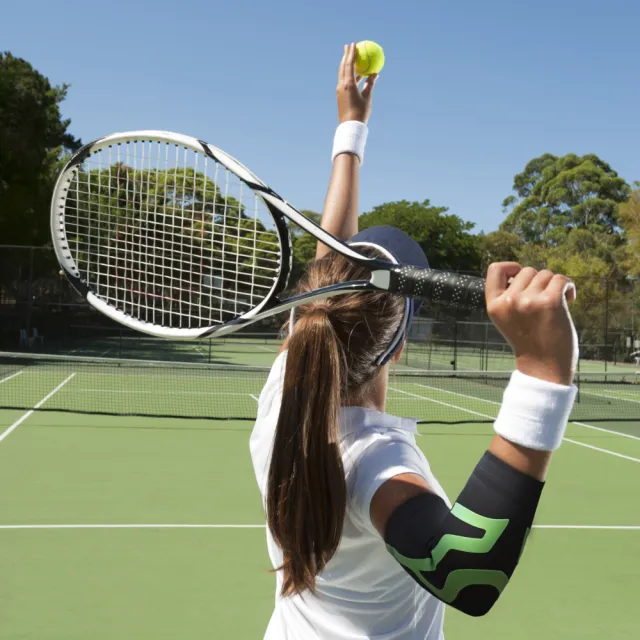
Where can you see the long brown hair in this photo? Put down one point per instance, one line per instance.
(331, 361)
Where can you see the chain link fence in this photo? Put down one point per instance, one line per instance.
(40, 311)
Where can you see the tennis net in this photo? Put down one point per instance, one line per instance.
(192, 390)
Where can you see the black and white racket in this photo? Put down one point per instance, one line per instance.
(175, 238)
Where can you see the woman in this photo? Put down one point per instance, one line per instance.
(363, 539)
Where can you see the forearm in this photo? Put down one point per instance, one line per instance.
(340, 213)
(531, 462)
(465, 556)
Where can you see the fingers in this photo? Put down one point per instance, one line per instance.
(560, 287)
(369, 83)
(343, 63)
(346, 71)
(350, 65)
(522, 280)
(541, 281)
(498, 277)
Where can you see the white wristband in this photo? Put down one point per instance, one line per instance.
(351, 137)
(534, 412)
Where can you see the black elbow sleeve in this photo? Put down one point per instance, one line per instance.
(465, 556)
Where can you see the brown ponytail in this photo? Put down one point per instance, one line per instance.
(330, 361)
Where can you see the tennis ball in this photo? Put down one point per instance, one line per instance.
(369, 58)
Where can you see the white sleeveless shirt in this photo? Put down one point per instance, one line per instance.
(362, 592)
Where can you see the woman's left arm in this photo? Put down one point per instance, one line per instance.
(340, 213)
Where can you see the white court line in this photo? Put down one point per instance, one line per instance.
(588, 526)
(612, 453)
(11, 376)
(484, 415)
(266, 348)
(164, 393)
(608, 397)
(617, 433)
(256, 399)
(7, 527)
(453, 393)
(580, 424)
(18, 422)
(132, 526)
(444, 404)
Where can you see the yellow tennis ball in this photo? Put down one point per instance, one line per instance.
(369, 58)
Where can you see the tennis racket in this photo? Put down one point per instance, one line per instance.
(173, 237)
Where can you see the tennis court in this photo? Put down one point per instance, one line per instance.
(150, 526)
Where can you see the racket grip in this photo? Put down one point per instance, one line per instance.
(440, 287)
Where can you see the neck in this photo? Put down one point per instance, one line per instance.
(374, 396)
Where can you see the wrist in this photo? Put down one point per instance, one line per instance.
(535, 412)
(350, 137)
(547, 371)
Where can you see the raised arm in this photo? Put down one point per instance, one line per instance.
(465, 556)
(340, 213)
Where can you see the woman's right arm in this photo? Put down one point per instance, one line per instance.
(465, 556)
(340, 212)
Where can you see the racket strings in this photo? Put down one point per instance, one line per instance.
(170, 236)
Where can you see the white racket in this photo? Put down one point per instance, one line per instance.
(173, 237)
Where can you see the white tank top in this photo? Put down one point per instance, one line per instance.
(363, 592)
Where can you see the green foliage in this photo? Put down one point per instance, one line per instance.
(594, 263)
(297, 232)
(304, 248)
(630, 221)
(498, 246)
(445, 238)
(558, 194)
(179, 211)
(33, 136)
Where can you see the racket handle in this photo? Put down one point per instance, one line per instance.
(441, 287)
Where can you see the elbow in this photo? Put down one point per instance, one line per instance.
(476, 601)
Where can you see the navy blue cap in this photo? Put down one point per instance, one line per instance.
(402, 249)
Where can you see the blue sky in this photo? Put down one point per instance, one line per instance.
(470, 93)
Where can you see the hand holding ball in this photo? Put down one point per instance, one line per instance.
(369, 58)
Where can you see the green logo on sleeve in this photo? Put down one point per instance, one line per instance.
(461, 578)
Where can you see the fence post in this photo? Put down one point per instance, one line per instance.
(29, 309)
(455, 345)
(606, 323)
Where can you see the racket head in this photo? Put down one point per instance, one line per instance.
(168, 235)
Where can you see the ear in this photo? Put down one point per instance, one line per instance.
(398, 354)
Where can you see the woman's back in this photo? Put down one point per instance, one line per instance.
(363, 592)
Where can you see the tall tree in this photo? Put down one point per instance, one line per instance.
(33, 136)
(630, 221)
(304, 247)
(445, 238)
(557, 194)
(498, 246)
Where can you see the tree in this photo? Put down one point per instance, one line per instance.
(33, 136)
(498, 246)
(445, 238)
(557, 194)
(630, 221)
(304, 248)
(296, 231)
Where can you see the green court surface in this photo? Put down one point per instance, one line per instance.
(133, 527)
